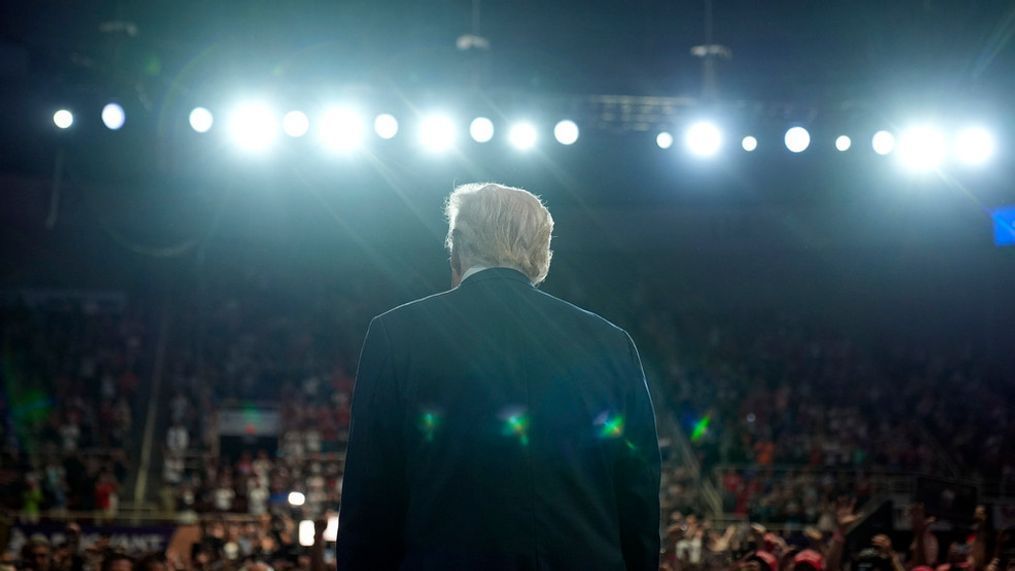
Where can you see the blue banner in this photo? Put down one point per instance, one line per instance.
(1004, 225)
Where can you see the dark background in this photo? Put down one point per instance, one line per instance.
(846, 239)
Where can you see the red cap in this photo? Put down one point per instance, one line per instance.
(767, 560)
(810, 558)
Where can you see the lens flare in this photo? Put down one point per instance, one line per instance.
(253, 127)
(437, 133)
(922, 148)
(974, 146)
(700, 428)
(516, 424)
(341, 130)
(429, 421)
(523, 136)
(611, 427)
(703, 139)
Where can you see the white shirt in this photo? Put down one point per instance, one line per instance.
(473, 270)
(223, 498)
(177, 439)
(257, 500)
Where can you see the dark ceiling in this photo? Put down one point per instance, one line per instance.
(783, 50)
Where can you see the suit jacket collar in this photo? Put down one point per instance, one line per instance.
(508, 274)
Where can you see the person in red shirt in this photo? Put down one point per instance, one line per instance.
(106, 489)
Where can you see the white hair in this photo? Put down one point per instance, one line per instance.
(499, 226)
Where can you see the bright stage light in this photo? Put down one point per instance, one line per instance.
(386, 126)
(341, 130)
(922, 148)
(297, 499)
(703, 139)
(566, 132)
(974, 146)
(306, 533)
(843, 143)
(797, 139)
(664, 140)
(295, 124)
(113, 116)
(883, 142)
(253, 127)
(437, 133)
(523, 136)
(749, 143)
(63, 119)
(481, 130)
(201, 119)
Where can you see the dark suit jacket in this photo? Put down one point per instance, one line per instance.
(497, 427)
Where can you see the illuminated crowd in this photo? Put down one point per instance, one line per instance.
(772, 415)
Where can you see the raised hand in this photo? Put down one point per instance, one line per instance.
(882, 543)
(918, 518)
(845, 514)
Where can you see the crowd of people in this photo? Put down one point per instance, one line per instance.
(71, 374)
(254, 544)
(772, 413)
(292, 360)
(785, 418)
(691, 543)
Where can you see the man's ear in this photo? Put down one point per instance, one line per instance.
(456, 260)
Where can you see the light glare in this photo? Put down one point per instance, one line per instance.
(703, 139)
(253, 127)
(341, 130)
(306, 533)
(664, 140)
(883, 142)
(113, 116)
(843, 143)
(295, 124)
(922, 148)
(481, 130)
(297, 499)
(63, 119)
(386, 126)
(523, 136)
(798, 139)
(749, 143)
(201, 120)
(331, 530)
(566, 132)
(437, 133)
(974, 146)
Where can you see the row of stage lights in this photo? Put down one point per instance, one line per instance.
(254, 127)
(920, 147)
